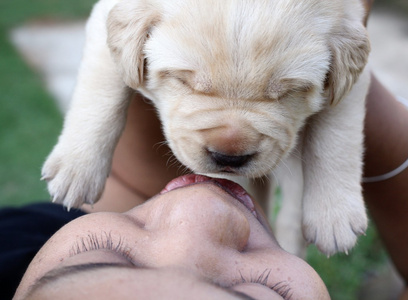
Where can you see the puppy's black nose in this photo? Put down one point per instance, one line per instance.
(234, 161)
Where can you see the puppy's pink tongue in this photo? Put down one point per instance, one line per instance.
(234, 189)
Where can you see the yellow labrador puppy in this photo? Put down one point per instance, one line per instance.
(242, 87)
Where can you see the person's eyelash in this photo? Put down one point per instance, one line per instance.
(282, 288)
(103, 241)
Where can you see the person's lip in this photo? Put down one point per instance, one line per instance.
(232, 188)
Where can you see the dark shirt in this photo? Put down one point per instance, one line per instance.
(23, 231)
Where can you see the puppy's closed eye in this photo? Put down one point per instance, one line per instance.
(288, 86)
(190, 79)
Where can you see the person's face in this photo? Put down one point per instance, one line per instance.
(193, 241)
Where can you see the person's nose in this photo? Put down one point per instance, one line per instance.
(195, 224)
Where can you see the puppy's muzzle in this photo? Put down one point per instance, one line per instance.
(232, 146)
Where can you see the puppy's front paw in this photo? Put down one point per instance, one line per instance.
(74, 178)
(335, 229)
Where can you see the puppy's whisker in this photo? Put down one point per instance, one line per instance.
(267, 179)
(158, 145)
(175, 163)
(287, 167)
(172, 160)
(186, 170)
(261, 180)
(183, 169)
(264, 179)
(274, 176)
(297, 154)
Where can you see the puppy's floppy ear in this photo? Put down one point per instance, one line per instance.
(350, 48)
(128, 27)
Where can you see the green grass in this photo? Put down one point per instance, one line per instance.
(343, 274)
(30, 123)
(397, 6)
(16, 12)
(29, 119)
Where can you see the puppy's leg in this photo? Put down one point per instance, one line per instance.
(333, 208)
(287, 227)
(77, 167)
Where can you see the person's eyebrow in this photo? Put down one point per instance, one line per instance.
(239, 294)
(58, 273)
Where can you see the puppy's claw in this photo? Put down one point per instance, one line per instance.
(339, 238)
(75, 179)
(54, 199)
(358, 232)
(45, 178)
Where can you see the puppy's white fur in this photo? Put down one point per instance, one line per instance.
(276, 81)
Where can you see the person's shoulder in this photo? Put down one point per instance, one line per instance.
(36, 217)
(23, 231)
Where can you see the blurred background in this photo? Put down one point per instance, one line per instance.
(40, 49)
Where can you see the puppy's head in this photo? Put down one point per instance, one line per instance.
(234, 81)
